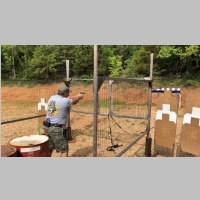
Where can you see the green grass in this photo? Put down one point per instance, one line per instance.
(119, 102)
(18, 83)
(102, 103)
(140, 154)
(143, 123)
(17, 110)
(173, 81)
(85, 103)
(18, 103)
(88, 133)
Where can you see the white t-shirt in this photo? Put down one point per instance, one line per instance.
(57, 109)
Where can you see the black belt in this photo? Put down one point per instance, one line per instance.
(57, 125)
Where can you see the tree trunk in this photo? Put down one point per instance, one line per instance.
(13, 60)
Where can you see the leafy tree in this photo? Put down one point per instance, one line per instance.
(8, 61)
(43, 63)
(83, 60)
(139, 63)
(104, 54)
(179, 60)
(116, 66)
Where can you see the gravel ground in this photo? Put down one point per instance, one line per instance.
(82, 126)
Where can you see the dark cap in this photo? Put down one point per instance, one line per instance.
(62, 89)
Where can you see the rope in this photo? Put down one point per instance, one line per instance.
(111, 148)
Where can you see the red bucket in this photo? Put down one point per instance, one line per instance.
(8, 151)
(31, 146)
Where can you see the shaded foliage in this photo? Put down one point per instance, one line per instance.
(178, 62)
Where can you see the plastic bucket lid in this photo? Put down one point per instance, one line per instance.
(31, 146)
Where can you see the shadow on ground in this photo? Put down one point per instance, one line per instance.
(167, 152)
(83, 152)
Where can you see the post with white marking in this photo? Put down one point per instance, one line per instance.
(95, 92)
(67, 69)
(69, 136)
(148, 138)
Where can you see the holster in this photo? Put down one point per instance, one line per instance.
(67, 133)
(46, 123)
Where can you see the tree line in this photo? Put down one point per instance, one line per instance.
(48, 62)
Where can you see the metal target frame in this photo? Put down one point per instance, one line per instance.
(95, 117)
(97, 81)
